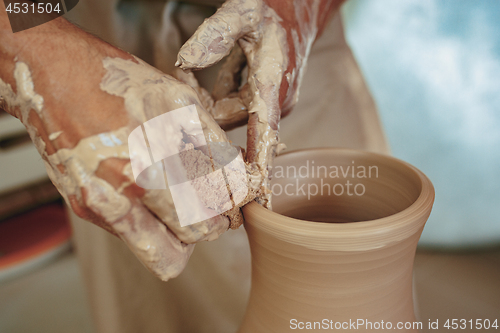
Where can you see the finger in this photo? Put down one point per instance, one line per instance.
(159, 202)
(229, 76)
(153, 243)
(215, 38)
(267, 64)
(229, 112)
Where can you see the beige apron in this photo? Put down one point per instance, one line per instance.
(335, 109)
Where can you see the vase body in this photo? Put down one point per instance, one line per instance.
(324, 260)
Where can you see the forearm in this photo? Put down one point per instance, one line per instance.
(40, 47)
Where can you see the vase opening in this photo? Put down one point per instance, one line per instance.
(352, 187)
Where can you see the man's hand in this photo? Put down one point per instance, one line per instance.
(275, 37)
(80, 98)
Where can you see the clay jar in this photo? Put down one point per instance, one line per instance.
(325, 258)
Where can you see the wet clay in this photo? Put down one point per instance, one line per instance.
(359, 267)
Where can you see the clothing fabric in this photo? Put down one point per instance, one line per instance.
(335, 109)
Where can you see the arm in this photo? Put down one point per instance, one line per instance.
(69, 90)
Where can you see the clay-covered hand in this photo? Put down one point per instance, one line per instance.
(79, 105)
(274, 38)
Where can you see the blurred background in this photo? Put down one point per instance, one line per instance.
(433, 67)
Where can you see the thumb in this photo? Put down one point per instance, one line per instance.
(214, 39)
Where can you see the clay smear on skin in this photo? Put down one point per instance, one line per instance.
(81, 163)
(271, 66)
(55, 135)
(201, 52)
(25, 100)
(276, 57)
(138, 83)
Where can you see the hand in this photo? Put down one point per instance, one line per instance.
(80, 98)
(275, 38)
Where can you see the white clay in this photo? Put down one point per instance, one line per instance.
(25, 100)
(55, 135)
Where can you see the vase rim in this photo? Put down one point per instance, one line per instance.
(348, 236)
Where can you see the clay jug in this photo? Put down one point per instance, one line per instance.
(337, 251)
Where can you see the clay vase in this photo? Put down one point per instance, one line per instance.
(325, 258)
